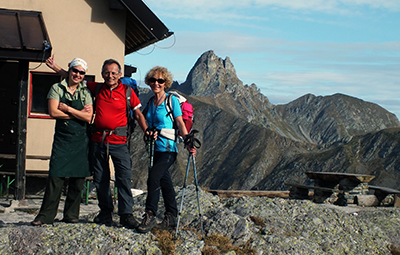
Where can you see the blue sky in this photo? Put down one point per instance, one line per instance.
(288, 48)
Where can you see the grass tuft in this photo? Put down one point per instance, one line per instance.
(217, 244)
(165, 241)
(258, 221)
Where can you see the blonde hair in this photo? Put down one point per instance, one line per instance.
(165, 74)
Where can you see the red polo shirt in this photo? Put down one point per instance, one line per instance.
(111, 110)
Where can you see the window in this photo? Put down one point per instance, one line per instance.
(41, 83)
(40, 86)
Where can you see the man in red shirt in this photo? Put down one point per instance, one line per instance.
(110, 139)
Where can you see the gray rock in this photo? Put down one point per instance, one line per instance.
(272, 226)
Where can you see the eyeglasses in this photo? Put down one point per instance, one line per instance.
(77, 71)
(110, 73)
(153, 80)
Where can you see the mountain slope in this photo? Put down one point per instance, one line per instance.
(248, 143)
(333, 118)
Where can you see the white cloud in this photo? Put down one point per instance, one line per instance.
(206, 6)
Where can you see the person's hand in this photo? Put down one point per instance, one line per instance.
(192, 150)
(153, 133)
(50, 62)
(87, 108)
(63, 107)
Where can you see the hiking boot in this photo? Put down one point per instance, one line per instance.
(104, 217)
(148, 223)
(168, 222)
(37, 223)
(128, 221)
(70, 220)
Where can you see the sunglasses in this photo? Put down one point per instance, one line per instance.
(77, 71)
(153, 80)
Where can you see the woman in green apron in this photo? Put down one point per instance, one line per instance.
(71, 104)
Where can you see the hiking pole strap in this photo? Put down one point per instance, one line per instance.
(191, 141)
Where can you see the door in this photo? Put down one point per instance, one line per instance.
(8, 114)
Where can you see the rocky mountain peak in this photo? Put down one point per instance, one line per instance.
(210, 75)
(310, 118)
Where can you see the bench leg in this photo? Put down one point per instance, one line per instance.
(1, 185)
(115, 195)
(9, 182)
(396, 200)
(298, 193)
(380, 195)
(86, 190)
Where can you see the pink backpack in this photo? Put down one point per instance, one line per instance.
(186, 108)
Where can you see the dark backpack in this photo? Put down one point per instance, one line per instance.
(131, 82)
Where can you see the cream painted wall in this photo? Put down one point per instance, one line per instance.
(77, 28)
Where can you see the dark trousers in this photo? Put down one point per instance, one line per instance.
(101, 176)
(51, 199)
(160, 179)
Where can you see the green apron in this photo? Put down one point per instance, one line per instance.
(70, 152)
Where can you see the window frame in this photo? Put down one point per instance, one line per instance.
(45, 115)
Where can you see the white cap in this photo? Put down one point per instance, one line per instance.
(78, 62)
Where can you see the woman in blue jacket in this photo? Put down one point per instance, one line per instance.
(165, 150)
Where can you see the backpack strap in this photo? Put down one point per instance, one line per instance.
(128, 95)
(168, 105)
(129, 116)
(171, 134)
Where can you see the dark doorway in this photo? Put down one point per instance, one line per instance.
(8, 114)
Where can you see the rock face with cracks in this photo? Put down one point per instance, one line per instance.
(251, 225)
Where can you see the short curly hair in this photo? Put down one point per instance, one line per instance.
(164, 73)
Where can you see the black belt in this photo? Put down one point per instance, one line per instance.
(119, 131)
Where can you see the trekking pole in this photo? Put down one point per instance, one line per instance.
(190, 141)
(198, 198)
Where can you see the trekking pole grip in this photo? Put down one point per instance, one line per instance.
(191, 141)
(148, 138)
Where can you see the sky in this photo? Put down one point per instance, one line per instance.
(288, 48)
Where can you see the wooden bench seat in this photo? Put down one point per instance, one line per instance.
(249, 193)
(301, 186)
(336, 177)
(382, 192)
(384, 189)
